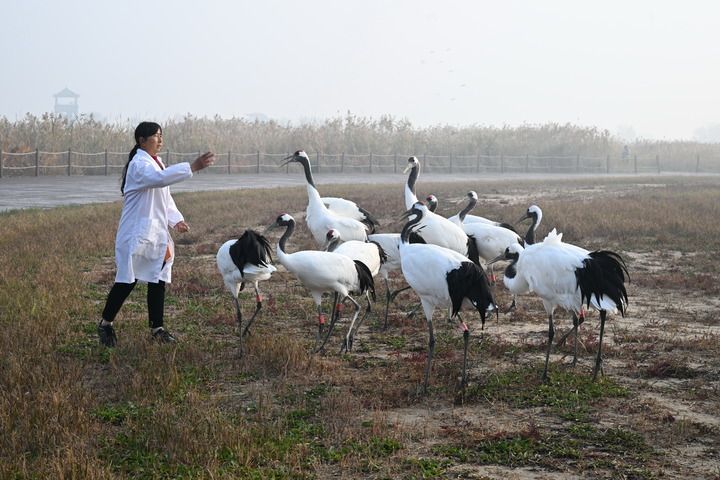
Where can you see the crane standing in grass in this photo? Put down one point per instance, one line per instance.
(318, 217)
(370, 254)
(241, 261)
(442, 277)
(567, 276)
(322, 272)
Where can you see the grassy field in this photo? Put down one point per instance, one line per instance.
(72, 409)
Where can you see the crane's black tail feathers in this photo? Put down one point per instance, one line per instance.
(252, 248)
(369, 220)
(469, 281)
(381, 252)
(603, 274)
(365, 277)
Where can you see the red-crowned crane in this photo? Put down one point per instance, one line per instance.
(241, 261)
(567, 276)
(348, 208)
(323, 272)
(432, 203)
(490, 240)
(370, 254)
(319, 219)
(390, 243)
(442, 277)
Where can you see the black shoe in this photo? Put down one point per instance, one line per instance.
(163, 336)
(107, 336)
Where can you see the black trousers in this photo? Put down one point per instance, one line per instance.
(155, 301)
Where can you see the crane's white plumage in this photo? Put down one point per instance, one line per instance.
(319, 219)
(241, 261)
(442, 277)
(323, 272)
(564, 275)
(350, 209)
(370, 254)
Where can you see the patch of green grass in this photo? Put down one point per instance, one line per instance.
(427, 467)
(566, 393)
(117, 414)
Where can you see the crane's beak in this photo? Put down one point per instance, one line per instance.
(409, 167)
(270, 227)
(523, 218)
(287, 160)
(497, 259)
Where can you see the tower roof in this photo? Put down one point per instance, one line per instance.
(66, 92)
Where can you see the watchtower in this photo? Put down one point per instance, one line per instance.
(66, 103)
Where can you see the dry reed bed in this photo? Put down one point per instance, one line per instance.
(71, 409)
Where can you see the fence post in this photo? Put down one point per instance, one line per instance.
(697, 164)
(477, 164)
(342, 162)
(287, 165)
(228, 165)
(657, 161)
(106, 162)
(395, 163)
(635, 162)
(69, 163)
(371, 160)
(317, 162)
(607, 164)
(1, 159)
(451, 162)
(37, 162)
(527, 163)
(577, 163)
(258, 162)
(425, 162)
(167, 158)
(502, 163)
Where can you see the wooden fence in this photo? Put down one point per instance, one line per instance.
(39, 163)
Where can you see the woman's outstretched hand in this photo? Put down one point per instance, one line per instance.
(203, 161)
(181, 227)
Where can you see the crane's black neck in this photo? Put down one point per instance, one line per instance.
(472, 201)
(288, 231)
(412, 178)
(511, 270)
(305, 162)
(407, 229)
(530, 235)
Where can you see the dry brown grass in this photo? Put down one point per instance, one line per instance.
(71, 409)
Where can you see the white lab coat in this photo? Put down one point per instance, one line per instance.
(148, 212)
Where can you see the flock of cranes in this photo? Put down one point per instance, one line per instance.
(440, 258)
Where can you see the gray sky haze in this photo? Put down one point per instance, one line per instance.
(644, 68)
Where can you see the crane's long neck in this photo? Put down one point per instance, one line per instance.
(468, 208)
(308, 172)
(407, 229)
(530, 235)
(410, 196)
(283, 240)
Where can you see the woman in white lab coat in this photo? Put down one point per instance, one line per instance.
(144, 250)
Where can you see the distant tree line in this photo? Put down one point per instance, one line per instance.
(349, 134)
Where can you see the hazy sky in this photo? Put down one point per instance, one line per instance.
(648, 67)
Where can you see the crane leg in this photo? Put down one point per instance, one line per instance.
(258, 306)
(333, 318)
(348, 342)
(431, 349)
(580, 321)
(466, 341)
(238, 315)
(598, 360)
(551, 334)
